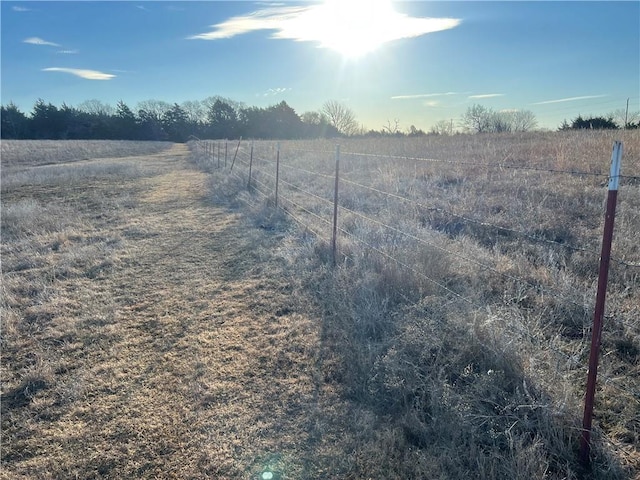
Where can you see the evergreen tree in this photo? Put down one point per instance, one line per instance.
(125, 122)
(14, 123)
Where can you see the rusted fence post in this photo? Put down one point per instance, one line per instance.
(596, 333)
(334, 237)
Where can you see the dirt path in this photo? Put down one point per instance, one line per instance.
(204, 366)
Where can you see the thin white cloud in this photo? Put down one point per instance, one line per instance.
(275, 91)
(39, 41)
(16, 8)
(487, 95)
(570, 99)
(425, 95)
(365, 25)
(68, 52)
(82, 73)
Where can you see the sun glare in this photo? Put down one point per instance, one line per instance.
(359, 25)
(351, 27)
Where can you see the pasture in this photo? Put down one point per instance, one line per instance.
(161, 318)
(463, 296)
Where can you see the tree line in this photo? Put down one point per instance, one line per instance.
(218, 117)
(215, 117)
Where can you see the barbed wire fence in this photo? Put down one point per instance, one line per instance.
(373, 201)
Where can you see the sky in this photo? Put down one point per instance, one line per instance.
(412, 62)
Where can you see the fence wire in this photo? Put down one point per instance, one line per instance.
(258, 162)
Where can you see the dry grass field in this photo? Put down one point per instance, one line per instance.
(460, 309)
(161, 320)
(148, 333)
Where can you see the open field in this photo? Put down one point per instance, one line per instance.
(148, 333)
(462, 302)
(161, 320)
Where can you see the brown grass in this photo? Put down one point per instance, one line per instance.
(491, 387)
(147, 333)
(153, 328)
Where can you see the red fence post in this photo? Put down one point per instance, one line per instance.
(596, 334)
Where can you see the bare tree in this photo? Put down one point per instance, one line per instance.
(154, 108)
(477, 119)
(195, 110)
(341, 117)
(501, 121)
(314, 118)
(524, 121)
(96, 107)
(391, 129)
(620, 115)
(443, 127)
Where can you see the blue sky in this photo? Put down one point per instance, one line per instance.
(420, 63)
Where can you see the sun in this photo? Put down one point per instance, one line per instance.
(351, 27)
(359, 26)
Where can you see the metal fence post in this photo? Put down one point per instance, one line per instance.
(218, 154)
(334, 237)
(235, 155)
(250, 166)
(603, 275)
(277, 170)
(225, 153)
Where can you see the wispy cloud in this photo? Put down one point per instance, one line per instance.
(331, 25)
(275, 91)
(487, 95)
(16, 8)
(142, 7)
(68, 52)
(82, 73)
(570, 99)
(39, 41)
(426, 95)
